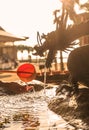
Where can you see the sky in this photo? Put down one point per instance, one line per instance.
(26, 17)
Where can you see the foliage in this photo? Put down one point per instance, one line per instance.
(24, 47)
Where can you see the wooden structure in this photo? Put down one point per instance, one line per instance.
(7, 43)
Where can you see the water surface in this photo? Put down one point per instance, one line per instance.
(29, 111)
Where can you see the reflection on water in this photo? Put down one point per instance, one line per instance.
(29, 111)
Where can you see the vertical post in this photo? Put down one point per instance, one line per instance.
(61, 61)
(56, 67)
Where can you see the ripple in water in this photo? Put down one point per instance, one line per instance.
(29, 111)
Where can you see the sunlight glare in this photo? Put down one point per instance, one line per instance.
(26, 17)
(19, 55)
(22, 55)
(25, 54)
(83, 1)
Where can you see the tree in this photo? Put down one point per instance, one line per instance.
(24, 47)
